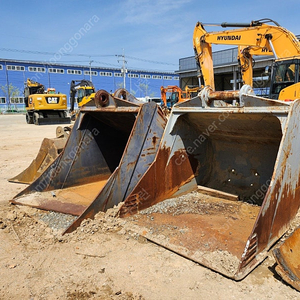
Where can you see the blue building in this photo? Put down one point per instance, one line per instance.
(14, 73)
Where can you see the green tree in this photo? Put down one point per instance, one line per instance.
(133, 92)
(10, 91)
(144, 88)
(120, 85)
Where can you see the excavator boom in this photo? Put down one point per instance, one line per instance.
(254, 39)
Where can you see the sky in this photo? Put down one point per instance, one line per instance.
(146, 34)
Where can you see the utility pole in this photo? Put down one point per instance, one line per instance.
(123, 69)
(91, 70)
(8, 92)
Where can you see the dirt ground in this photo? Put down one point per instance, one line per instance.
(100, 260)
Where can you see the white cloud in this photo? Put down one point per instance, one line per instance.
(152, 11)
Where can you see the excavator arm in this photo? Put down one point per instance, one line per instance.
(34, 87)
(256, 38)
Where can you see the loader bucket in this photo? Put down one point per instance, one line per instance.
(224, 185)
(48, 152)
(287, 256)
(110, 147)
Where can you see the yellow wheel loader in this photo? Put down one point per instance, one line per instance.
(44, 107)
(85, 91)
(218, 182)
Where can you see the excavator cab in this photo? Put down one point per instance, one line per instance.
(84, 92)
(284, 77)
(171, 95)
(89, 91)
(174, 97)
(177, 97)
(81, 94)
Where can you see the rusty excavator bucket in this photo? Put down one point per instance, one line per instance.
(287, 256)
(112, 143)
(48, 152)
(218, 184)
(224, 185)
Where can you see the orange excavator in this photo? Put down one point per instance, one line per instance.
(176, 94)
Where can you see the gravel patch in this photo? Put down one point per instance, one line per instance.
(56, 220)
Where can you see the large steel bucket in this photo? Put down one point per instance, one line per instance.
(287, 256)
(112, 143)
(48, 152)
(229, 165)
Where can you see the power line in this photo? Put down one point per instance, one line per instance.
(53, 53)
(108, 64)
(151, 61)
(83, 55)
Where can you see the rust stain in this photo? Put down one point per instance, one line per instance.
(154, 140)
(288, 259)
(203, 230)
(158, 185)
(223, 95)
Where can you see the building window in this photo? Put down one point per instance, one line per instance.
(15, 68)
(118, 74)
(17, 100)
(133, 75)
(176, 78)
(156, 76)
(145, 76)
(108, 74)
(1, 67)
(94, 73)
(2, 100)
(167, 77)
(54, 70)
(37, 69)
(74, 72)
